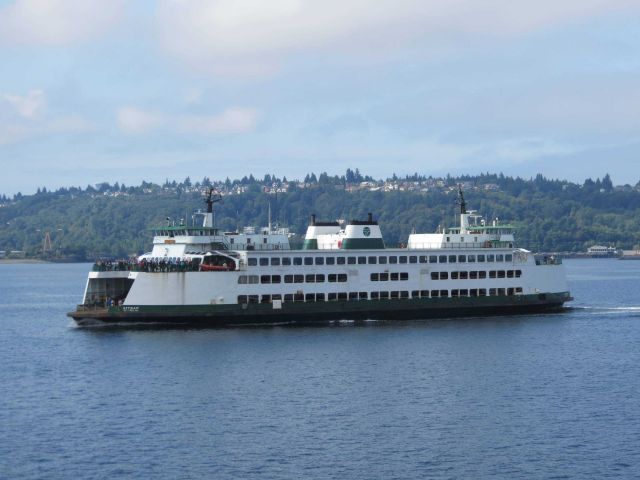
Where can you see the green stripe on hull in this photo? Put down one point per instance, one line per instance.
(362, 243)
(310, 244)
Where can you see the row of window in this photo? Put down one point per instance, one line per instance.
(309, 278)
(394, 294)
(379, 260)
(476, 274)
(393, 276)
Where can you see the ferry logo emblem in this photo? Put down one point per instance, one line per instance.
(366, 231)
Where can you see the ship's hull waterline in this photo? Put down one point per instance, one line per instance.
(301, 313)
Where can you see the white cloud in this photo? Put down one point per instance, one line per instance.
(231, 121)
(29, 106)
(254, 36)
(56, 22)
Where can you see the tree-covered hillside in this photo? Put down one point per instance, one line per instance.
(113, 220)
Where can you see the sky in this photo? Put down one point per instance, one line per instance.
(110, 90)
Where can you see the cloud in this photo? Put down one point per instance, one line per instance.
(231, 121)
(56, 22)
(29, 106)
(254, 36)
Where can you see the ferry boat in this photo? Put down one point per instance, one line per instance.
(201, 276)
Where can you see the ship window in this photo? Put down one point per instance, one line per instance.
(454, 275)
(518, 273)
(464, 275)
(502, 292)
(275, 278)
(425, 293)
(430, 259)
(342, 277)
(310, 278)
(298, 278)
(363, 295)
(319, 260)
(253, 278)
(353, 295)
(243, 299)
(501, 273)
(242, 279)
(288, 279)
(252, 262)
(518, 289)
(508, 258)
(462, 258)
(320, 278)
(394, 276)
(415, 293)
(444, 275)
(384, 277)
(500, 258)
(342, 295)
(264, 262)
(475, 239)
(480, 258)
(382, 260)
(286, 261)
(493, 292)
(308, 260)
(455, 293)
(435, 293)
(264, 240)
(464, 293)
(332, 277)
(393, 259)
(297, 260)
(319, 297)
(330, 261)
(402, 259)
(275, 262)
(452, 258)
(384, 295)
(298, 297)
(404, 276)
(462, 239)
(482, 292)
(491, 258)
(253, 298)
(510, 291)
(374, 277)
(266, 299)
(265, 278)
(276, 296)
(492, 274)
(413, 259)
(509, 273)
(471, 258)
(473, 292)
(375, 295)
(362, 260)
(448, 239)
(435, 275)
(395, 294)
(404, 294)
(310, 297)
(373, 260)
(444, 293)
(351, 260)
(340, 260)
(482, 274)
(442, 259)
(473, 275)
(332, 296)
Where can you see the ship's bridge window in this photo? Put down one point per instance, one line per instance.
(373, 260)
(252, 262)
(341, 260)
(286, 261)
(308, 260)
(362, 260)
(319, 260)
(393, 259)
(264, 262)
(275, 262)
(297, 260)
(351, 260)
(382, 260)
(330, 261)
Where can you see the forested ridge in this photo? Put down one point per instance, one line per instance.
(113, 220)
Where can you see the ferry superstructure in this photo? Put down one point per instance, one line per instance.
(199, 275)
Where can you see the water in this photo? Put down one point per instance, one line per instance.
(553, 396)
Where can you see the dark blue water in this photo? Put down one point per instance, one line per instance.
(554, 396)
